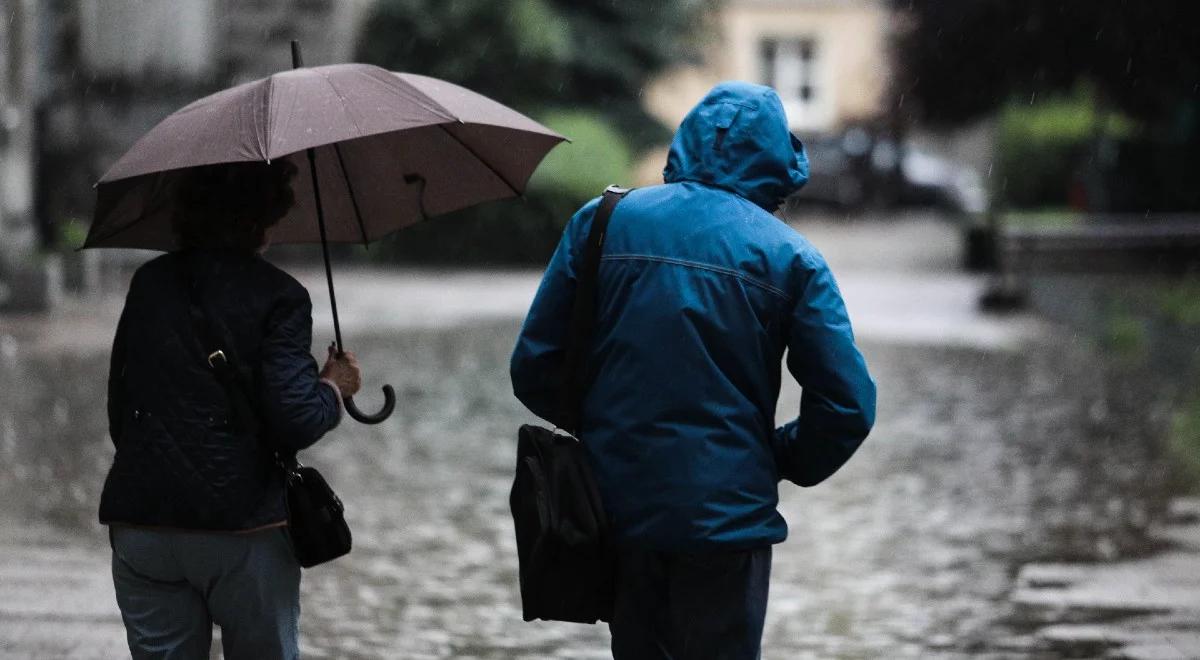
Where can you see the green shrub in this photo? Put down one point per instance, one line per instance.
(596, 157)
(1183, 447)
(526, 230)
(1043, 147)
(1180, 302)
(72, 232)
(1124, 335)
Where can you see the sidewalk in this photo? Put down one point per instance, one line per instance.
(1139, 609)
(56, 597)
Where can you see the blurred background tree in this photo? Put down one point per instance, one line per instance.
(1111, 88)
(578, 66)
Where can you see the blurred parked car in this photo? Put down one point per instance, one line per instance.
(856, 170)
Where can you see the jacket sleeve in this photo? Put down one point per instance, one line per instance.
(117, 399)
(297, 407)
(837, 407)
(538, 359)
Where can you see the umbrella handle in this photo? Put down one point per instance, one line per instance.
(389, 404)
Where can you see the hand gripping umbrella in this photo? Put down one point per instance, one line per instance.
(383, 150)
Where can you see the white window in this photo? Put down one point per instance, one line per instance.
(795, 67)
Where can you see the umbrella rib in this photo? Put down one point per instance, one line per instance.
(262, 128)
(153, 205)
(345, 106)
(481, 160)
(362, 228)
(431, 104)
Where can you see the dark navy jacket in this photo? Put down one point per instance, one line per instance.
(701, 292)
(180, 462)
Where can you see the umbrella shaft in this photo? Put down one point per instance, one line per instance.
(312, 168)
(297, 62)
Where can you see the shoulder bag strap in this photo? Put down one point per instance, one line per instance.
(583, 312)
(218, 352)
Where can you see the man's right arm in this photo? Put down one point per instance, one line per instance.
(837, 407)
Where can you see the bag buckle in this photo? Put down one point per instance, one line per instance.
(217, 355)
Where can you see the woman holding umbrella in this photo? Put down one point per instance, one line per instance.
(376, 151)
(194, 500)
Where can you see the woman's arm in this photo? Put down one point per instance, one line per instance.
(297, 407)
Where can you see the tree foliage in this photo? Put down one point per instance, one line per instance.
(536, 54)
(964, 59)
(1135, 61)
(578, 66)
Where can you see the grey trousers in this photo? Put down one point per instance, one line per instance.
(172, 586)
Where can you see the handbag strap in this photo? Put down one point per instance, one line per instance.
(583, 312)
(221, 356)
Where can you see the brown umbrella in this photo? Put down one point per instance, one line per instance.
(384, 151)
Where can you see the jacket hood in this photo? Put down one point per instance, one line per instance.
(737, 138)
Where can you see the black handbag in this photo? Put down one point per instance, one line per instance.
(566, 562)
(316, 517)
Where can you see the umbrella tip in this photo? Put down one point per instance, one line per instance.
(297, 59)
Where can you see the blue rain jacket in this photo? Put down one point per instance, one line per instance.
(701, 292)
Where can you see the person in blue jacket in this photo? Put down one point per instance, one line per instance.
(701, 292)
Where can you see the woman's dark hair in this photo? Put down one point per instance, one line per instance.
(231, 205)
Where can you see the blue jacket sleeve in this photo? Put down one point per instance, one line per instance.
(296, 406)
(837, 407)
(538, 359)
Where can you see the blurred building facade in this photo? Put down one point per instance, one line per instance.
(828, 59)
(81, 80)
(119, 66)
(19, 267)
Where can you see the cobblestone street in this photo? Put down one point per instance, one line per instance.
(1010, 502)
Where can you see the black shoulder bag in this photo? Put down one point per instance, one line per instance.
(566, 563)
(316, 521)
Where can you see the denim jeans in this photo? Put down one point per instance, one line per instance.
(172, 586)
(685, 606)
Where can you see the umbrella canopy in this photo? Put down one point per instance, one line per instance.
(390, 149)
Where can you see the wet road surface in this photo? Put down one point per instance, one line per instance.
(999, 443)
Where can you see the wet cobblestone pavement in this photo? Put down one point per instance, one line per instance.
(999, 444)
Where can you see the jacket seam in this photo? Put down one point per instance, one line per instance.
(703, 266)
